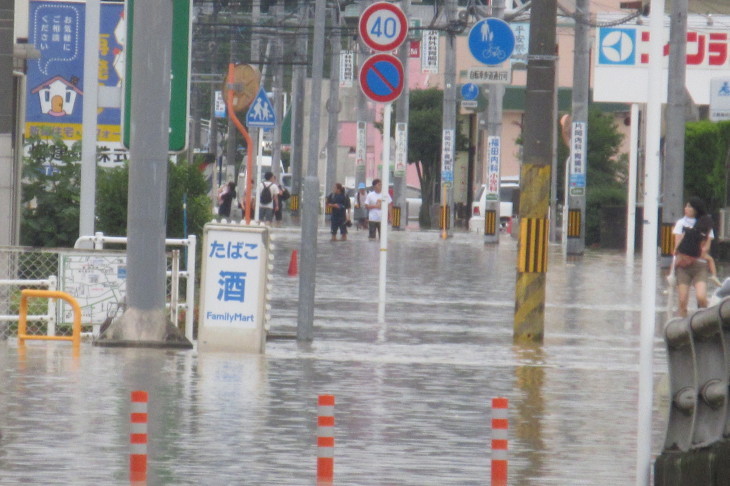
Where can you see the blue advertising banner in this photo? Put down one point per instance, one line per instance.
(55, 82)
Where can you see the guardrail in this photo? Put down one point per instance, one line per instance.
(50, 317)
(25, 294)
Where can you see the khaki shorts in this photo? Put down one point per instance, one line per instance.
(697, 272)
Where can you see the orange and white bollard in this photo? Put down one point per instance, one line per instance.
(325, 439)
(138, 438)
(500, 439)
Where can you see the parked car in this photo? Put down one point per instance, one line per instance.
(509, 194)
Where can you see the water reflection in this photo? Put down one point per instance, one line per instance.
(529, 411)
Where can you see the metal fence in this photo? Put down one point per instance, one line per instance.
(95, 277)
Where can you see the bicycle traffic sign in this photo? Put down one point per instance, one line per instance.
(381, 78)
(383, 26)
(491, 41)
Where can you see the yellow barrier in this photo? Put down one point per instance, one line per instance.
(75, 338)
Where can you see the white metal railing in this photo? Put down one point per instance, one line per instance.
(50, 317)
(99, 239)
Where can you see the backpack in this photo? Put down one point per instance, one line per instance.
(265, 197)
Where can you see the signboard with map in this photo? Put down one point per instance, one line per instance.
(97, 280)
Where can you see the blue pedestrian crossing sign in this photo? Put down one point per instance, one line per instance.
(261, 112)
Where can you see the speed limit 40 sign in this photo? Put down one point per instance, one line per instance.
(383, 26)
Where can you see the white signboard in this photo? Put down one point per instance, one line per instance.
(97, 280)
(579, 143)
(622, 61)
(494, 151)
(430, 51)
(447, 156)
(347, 69)
(489, 75)
(361, 148)
(220, 105)
(522, 42)
(401, 149)
(720, 99)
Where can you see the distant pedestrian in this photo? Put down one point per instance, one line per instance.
(361, 212)
(692, 240)
(339, 203)
(373, 204)
(268, 198)
(283, 197)
(225, 199)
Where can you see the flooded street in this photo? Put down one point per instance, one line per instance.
(413, 394)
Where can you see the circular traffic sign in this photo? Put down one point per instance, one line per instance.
(491, 41)
(469, 92)
(383, 26)
(381, 78)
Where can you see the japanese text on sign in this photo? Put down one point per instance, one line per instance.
(577, 155)
(401, 144)
(447, 156)
(487, 75)
(430, 51)
(493, 167)
(361, 144)
(347, 69)
(233, 250)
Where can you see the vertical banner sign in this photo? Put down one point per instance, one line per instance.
(447, 156)
(522, 41)
(401, 144)
(54, 95)
(577, 159)
(361, 149)
(494, 150)
(430, 51)
(220, 105)
(347, 69)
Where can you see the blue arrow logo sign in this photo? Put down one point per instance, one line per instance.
(261, 113)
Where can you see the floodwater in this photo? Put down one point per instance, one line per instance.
(413, 394)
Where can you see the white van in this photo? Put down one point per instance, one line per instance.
(509, 188)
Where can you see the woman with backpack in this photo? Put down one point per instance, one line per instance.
(692, 238)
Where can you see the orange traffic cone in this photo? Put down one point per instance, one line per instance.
(293, 267)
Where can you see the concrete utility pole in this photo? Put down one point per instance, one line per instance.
(7, 176)
(448, 133)
(576, 197)
(673, 173)
(494, 129)
(333, 103)
(529, 319)
(144, 322)
(400, 185)
(299, 76)
(278, 88)
(362, 112)
(305, 316)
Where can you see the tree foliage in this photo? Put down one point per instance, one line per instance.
(51, 197)
(705, 153)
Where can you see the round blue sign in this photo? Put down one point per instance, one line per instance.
(491, 41)
(469, 92)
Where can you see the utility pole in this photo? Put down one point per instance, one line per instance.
(299, 75)
(673, 173)
(333, 104)
(448, 133)
(576, 196)
(305, 316)
(7, 176)
(529, 318)
(278, 88)
(363, 114)
(494, 134)
(400, 185)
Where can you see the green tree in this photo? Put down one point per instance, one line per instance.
(424, 144)
(705, 150)
(51, 180)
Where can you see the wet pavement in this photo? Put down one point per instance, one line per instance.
(412, 394)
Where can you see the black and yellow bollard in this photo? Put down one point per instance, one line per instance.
(444, 221)
(666, 240)
(490, 222)
(574, 221)
(294, 202)
(395, 217)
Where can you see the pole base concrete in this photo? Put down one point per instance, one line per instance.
(138, 328)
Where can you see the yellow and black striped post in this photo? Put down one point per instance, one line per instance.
(666, 240)
(444, 221)
(395, 217)
(490, 222)
(327, 210)
(574, 221)
(294, 202)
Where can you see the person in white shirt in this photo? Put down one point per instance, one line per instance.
(267, 209)
(372, 203)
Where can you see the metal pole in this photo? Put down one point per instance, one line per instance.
(529, 317)
(448, 137)
(363, 113)
(649, 238)
(87, 203)
(631, 197)
(400, 184)
(576, 237)
(673, 173)
(7, 208)
(305, 317)
(494, 129)
(333, 104)
(384, 212)
(299, 74)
